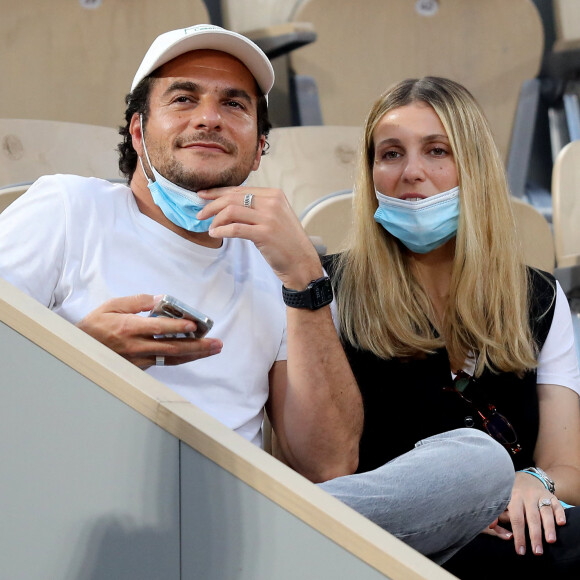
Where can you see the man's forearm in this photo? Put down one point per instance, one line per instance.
(323, 414)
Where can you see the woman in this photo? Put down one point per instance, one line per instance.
(442, 322)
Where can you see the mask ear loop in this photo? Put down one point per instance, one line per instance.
(145, 150)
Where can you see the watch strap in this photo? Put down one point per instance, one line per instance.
(317, 294)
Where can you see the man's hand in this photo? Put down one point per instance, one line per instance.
(271, 224)
(118, 325)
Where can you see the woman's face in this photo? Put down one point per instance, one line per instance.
(412, 158)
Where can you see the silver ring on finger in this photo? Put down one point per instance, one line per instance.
(160, 361)
(545, 501)
(248, 200)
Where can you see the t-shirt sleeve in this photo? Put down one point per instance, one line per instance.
(32, 239)
(558, 360)
(283, 350)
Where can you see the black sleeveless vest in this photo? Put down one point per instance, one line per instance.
(408, 400)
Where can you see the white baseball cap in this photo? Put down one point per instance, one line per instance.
(174, 43)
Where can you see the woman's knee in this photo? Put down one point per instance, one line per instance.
(479, 456)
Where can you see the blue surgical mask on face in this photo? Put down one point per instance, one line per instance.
(420, 225)
(178, 204)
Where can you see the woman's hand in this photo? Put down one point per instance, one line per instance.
(494, 529)
(524, 509)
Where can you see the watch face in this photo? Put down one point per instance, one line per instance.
(317, 294)
(321, 292)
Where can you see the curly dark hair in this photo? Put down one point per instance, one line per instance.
(137, 101)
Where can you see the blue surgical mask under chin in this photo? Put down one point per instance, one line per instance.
(420, 225)
(178, 204)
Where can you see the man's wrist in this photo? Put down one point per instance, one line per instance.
(318, 293)
(302, 275)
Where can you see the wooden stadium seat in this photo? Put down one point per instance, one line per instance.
(65, 61)
(566, 205)
(567, 24)
(330, 218)
(249, 15)
(9, 194)
(362, 48)
(535, 235)
(308, 163)
(31, 148)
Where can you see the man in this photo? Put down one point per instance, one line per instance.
(98, 253)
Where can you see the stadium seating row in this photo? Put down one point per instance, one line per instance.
(313, 165)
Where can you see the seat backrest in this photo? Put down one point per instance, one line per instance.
(330, 218)
(362, 48)
(248, 15)
(535, 236)
(31, 148)
(308, 163)
(75, 60)
(9, 194)
(566, 205)
(567, 24)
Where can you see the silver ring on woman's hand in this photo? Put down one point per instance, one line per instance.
(545, 501)
(160, 361)
(248, 199)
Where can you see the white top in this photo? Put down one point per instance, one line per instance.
(558, 361)
(74, 242)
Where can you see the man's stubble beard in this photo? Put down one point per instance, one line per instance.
(175, 171)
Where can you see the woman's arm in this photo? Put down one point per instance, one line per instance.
(558, 446)
(557, 449)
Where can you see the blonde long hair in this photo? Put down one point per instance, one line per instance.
(383, 308)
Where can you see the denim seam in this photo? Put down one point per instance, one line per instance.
(442, 524)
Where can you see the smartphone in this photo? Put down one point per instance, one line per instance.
(173, 308)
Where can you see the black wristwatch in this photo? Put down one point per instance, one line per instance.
(317, 294)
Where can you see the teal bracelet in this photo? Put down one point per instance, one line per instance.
(536, 475)
(562, 503)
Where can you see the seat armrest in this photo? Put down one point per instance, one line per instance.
(279, 39)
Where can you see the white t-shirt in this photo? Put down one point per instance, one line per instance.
(74, 242)
(558, 361)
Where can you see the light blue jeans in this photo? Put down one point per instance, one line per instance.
(437, 497)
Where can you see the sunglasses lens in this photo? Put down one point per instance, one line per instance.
(494, 423)
(461, 383)
(500, 429)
